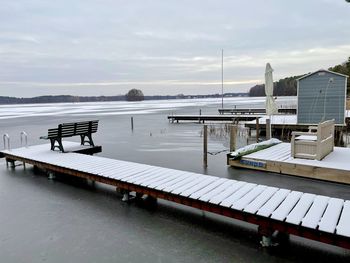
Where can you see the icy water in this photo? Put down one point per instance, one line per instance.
(72, 221)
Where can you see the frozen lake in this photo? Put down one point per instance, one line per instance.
(68, 220)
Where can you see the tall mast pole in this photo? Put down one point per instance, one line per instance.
(222, 78)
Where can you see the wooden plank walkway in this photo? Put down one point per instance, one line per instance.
(320, 218)
(335, 167)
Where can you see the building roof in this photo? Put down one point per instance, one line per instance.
(324, 70)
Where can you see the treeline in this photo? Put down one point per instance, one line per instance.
(72, 99)
(288, 86)
(58, 98)
(343, 68)
(283, 87)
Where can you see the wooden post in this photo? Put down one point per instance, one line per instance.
(233, 134)
(257, 129)
(268, 129)
(205, 146)
(132, 123)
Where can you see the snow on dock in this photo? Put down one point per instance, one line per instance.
(320, 218)
(334, 167)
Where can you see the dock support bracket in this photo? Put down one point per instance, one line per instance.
(126, 196)
(266, 236)
(266, 241)
(11, 162)
(51, 175)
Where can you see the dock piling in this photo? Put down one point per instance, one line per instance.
(132, 123)
(268, 129)
(205, 146)
(257, 129)
(233, 134)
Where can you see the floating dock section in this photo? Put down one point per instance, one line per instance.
(315, 217)
(335, 167)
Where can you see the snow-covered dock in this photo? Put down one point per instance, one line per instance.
(320, 218)
(334, 167)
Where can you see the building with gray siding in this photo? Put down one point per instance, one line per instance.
(321, 96)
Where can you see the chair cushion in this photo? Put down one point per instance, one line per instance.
(307, 137)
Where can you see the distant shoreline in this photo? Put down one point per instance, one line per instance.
(73, 99)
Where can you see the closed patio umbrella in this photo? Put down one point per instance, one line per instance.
(271, 107)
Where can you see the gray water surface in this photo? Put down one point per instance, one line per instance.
(70, 220)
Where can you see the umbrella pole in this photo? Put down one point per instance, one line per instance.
(268, 128)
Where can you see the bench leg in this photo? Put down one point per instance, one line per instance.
(52, 141)
(59, 146)
(89, 141)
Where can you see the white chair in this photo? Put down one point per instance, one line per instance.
(315, 144)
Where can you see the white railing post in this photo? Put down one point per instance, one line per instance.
(25, 136)
(6, 139)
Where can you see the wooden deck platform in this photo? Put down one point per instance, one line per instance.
(335, 167)
(315, 217)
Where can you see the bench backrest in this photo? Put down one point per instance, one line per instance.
(73, 128)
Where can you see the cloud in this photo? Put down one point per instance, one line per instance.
(125, 83)
(165, 47)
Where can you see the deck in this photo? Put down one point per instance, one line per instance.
(334, 167)
(321, 218)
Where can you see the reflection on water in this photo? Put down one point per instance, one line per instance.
(69, 220)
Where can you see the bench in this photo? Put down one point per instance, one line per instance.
(315, 144)
(84, 129)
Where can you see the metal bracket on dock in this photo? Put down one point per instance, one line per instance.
(6, 139)
(51, 175)
(24, 137)
(126, 196)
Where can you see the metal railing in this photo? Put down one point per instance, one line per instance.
(6, 140)
(24, 137)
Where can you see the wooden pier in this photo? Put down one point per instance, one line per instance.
(221, 117)
(255, 111)
(311, 216)
(335, 167)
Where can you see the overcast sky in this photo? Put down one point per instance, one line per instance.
(85, 47)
